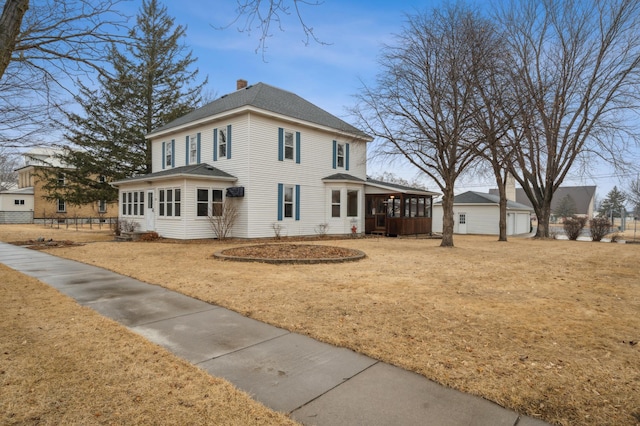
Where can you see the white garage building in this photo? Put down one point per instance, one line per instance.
(479, 213)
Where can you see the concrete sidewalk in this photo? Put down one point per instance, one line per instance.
(315, 383)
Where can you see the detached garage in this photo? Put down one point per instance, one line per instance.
(479, 213)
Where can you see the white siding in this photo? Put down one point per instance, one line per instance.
(483, 219)
(254, 162)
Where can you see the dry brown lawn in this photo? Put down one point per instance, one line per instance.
(61, 363)
(547, 328)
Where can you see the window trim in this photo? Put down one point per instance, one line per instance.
(63, 203)
(170, 202)
(133, 206)
(282, 202)
(336, 204)
(350, 202)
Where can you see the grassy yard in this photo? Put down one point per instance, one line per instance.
(548, 328)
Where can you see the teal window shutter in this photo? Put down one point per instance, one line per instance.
(163, 154)
(280, 144)
(229, 141)
(297, 202)
(173, 152)
(335, 153)
(215, 144)
(198, 147)
(280, 200)
(346, 156)
(186, 150)
(298, 147)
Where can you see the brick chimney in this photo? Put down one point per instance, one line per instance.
(241, 84)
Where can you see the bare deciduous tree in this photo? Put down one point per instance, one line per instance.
(44, 46)
(575, 70)
(423, 103)
(8, 165)
(261, 14)
(222, 218)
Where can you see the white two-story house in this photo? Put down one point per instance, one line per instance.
(289, 166)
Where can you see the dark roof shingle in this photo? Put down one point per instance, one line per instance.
(268, 98)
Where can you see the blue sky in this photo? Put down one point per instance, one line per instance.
(327, 75)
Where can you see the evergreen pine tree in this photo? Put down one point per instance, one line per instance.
(566, 207)
(151, 83)
(613, 204)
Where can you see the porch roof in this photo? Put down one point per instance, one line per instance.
(194, 171)
(373, 186)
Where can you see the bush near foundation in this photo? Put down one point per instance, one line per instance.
(599, 228)
(573, 226)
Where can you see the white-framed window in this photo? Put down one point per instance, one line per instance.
(193, 149)
(288, 201)
(168, 154)
(222, 143)
(62, 206)
(289, 145)
(462, 218)
(18, 202)
(209, 202)
(169, 202)
(132, 204)
(340, 155)
(61, 179)
(335, 203)
(352, 202)
(102, 206)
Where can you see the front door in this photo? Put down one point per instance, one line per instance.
(150, 213)
(462, 223)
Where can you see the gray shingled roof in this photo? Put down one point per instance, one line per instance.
(343, 176)
(472, 197)
(581, 195)
(400, 188)
(196, 170)
(269, 98)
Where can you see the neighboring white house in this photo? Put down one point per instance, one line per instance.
(479, 213)
(289, 166)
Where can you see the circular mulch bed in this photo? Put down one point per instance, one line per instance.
(290, 253)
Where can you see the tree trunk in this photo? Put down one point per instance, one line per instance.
(447, 218)
(10, 23)
(502, 223)
(544, 216)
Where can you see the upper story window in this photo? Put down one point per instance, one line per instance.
(288, 145)
(193, 149)
(61, 180)
(340, 155)
(222, 143)
(18, 202)
(168, 154)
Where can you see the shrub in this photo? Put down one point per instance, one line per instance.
(573, 226)
(149, 236)
(599, 227)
